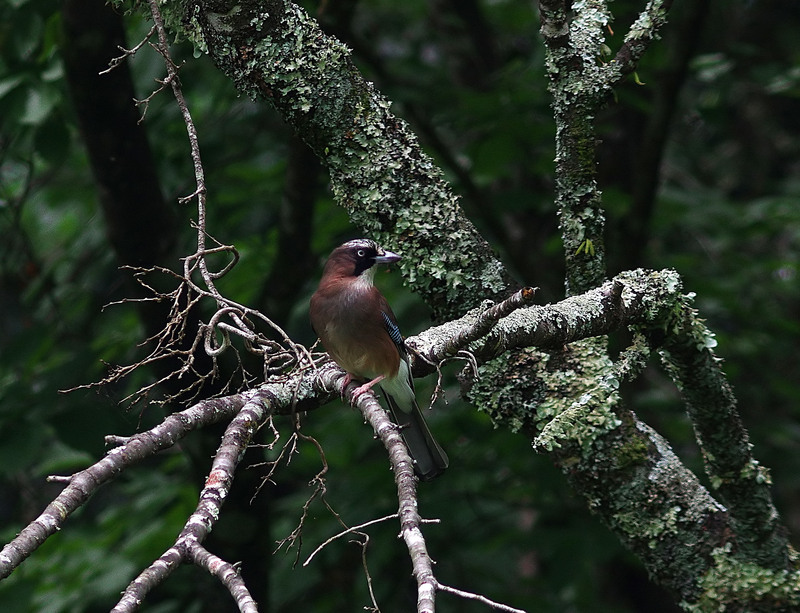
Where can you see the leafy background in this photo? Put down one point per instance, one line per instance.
(722, 85)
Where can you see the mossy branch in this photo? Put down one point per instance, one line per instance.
(391, 189)
(581, 83)
(741, 482)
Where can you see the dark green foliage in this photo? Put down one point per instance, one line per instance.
(473, 89)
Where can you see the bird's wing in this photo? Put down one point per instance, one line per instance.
(394, 332)
(429, 458)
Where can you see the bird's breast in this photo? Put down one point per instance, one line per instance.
(353, 333)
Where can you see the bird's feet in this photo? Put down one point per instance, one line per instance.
(348, 378)
(363, 389)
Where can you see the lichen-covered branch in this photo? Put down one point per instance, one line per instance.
(569, 405)
(742, 483)
(578, 88)
(631, 298)
(580, 82)
(379, 173)
(642, 32)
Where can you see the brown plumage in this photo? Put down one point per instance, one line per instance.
(358, 329)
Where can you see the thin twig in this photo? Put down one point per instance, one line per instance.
(327, 542)
(364, 544)
(478, 597)
(176, 343)
(126, 53)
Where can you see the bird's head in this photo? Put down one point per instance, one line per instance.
(358, 258)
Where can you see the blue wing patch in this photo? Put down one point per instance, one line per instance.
(394, 332)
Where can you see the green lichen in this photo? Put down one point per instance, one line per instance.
(650, 528)
(193, 31)
(658, 293)
(633, 453)
(509, 390)
(580, 421)
(734, 584)
(586, 30)
(753, 470)
(542, 392)
(648, 22)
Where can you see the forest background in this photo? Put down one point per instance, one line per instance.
(699, 170)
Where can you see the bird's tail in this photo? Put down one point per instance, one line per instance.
(430, 460)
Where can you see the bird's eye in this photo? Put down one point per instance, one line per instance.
(361, 253)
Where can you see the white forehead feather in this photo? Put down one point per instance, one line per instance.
(362, 243)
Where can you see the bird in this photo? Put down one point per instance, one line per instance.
(359, 331)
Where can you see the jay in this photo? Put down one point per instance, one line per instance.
(358, 329)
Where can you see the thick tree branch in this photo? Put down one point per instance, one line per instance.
(742, 483)
(379, 173)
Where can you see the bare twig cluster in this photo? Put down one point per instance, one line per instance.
(196, 289)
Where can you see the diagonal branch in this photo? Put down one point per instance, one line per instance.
(135, 449)
(642, 33)
(198, 526)
(742, 483)
(390, 187)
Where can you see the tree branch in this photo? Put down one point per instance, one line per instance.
(578, 88)
(84, 483)
(642, 32)
(742, 483)
(252, 415)
(379, 173)
(410, 520)
(631, 298)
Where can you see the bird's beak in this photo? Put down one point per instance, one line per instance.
(387, 257)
